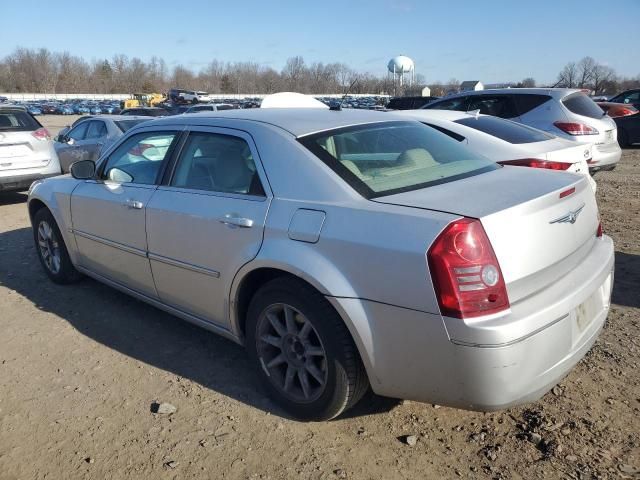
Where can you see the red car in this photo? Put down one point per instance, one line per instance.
(615, 110)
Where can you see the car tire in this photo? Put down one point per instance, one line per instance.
(51, 249)
(303, 352)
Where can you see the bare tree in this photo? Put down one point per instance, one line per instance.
(602, 77)
(528, 83)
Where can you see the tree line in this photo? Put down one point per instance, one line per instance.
(42, 71)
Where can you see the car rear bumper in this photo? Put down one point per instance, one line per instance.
(16, 183)
(605, 157)
(425, 357)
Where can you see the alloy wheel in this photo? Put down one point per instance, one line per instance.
(49, 247)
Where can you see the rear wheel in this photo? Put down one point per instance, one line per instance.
(303, 352)
(51, 249)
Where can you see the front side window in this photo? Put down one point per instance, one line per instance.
(97, 129)
(217, 163)
(506, 130)
(393, 157)
(78, 133)
(139, 158)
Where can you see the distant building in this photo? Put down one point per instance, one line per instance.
(469, 85)
(426, 92)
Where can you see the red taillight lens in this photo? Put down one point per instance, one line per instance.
(139, 149)
(42, 134)
(537, 163)
(599, 231)
(465, 271)
(576, 128)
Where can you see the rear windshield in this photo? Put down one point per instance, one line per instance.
(506, 130)
(125, 125)
(17, 121)
(580, 104)
(394, 157)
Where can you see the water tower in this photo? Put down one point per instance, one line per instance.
(403, 71)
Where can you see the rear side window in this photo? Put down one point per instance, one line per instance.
(527, 102)
(458, 103)
(580, 104)
(394, 157)
(506, 130)
(17, 121)
(499, 106)
(97, 129)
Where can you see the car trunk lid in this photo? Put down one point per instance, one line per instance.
(539, 222)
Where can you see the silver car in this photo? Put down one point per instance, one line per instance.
(564, 112)
(26, 150)
(87, 138)
(344, 249)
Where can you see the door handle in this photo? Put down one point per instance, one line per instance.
(235, 220)
(133, 204)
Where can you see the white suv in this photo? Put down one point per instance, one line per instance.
(564, 112)
(26, 150)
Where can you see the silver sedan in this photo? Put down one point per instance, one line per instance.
(345, 250)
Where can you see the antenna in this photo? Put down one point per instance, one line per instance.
(344, 97)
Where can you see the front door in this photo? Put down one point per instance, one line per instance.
(207, 221)
(108, 213)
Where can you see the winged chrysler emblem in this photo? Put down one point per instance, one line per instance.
(570, 217)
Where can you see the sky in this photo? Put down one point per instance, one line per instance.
(488, 40)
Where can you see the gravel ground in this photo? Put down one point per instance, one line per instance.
(81, 366)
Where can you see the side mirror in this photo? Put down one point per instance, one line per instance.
(83, 170)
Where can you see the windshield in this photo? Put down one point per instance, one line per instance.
(392, 157)
(506, 130)
(125, 125)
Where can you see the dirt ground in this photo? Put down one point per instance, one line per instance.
(80, 367)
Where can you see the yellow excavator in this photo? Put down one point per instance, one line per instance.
(143, 100)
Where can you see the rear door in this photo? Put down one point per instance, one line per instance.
(206, 221)
(109, 212)
(94, 139)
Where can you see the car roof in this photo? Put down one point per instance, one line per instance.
(554, 92)
(449, 115)
(297, 121)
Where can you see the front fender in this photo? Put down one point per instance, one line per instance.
(55, 194)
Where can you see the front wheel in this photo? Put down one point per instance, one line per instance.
(51, 249)
(303, 352)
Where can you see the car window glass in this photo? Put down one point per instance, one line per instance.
(580, 104)
(394, 157)
(527, 102)
(457, 103)
(17, 121)
(97, 129)
(139, 157)
(78, 132)
(498, 106)
(219, 163)
(509, 131)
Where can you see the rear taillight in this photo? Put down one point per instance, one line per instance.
(537, 163)
(599, 230)
(42, 134)
(576, 128)
(465, 271)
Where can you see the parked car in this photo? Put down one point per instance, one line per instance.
(34, 110)
(567, 113)
(64, 110)
(88, 137)
(409, 103)
(627, 120)
(209, 107)
(508, 142)
(628, 97)
(379, 252)
(145, 111)
(26, 150)
(615, 110)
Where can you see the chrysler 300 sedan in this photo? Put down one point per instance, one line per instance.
(346, 250)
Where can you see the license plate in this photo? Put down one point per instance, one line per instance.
(9, 151)
(586, 312)
(608, 135)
